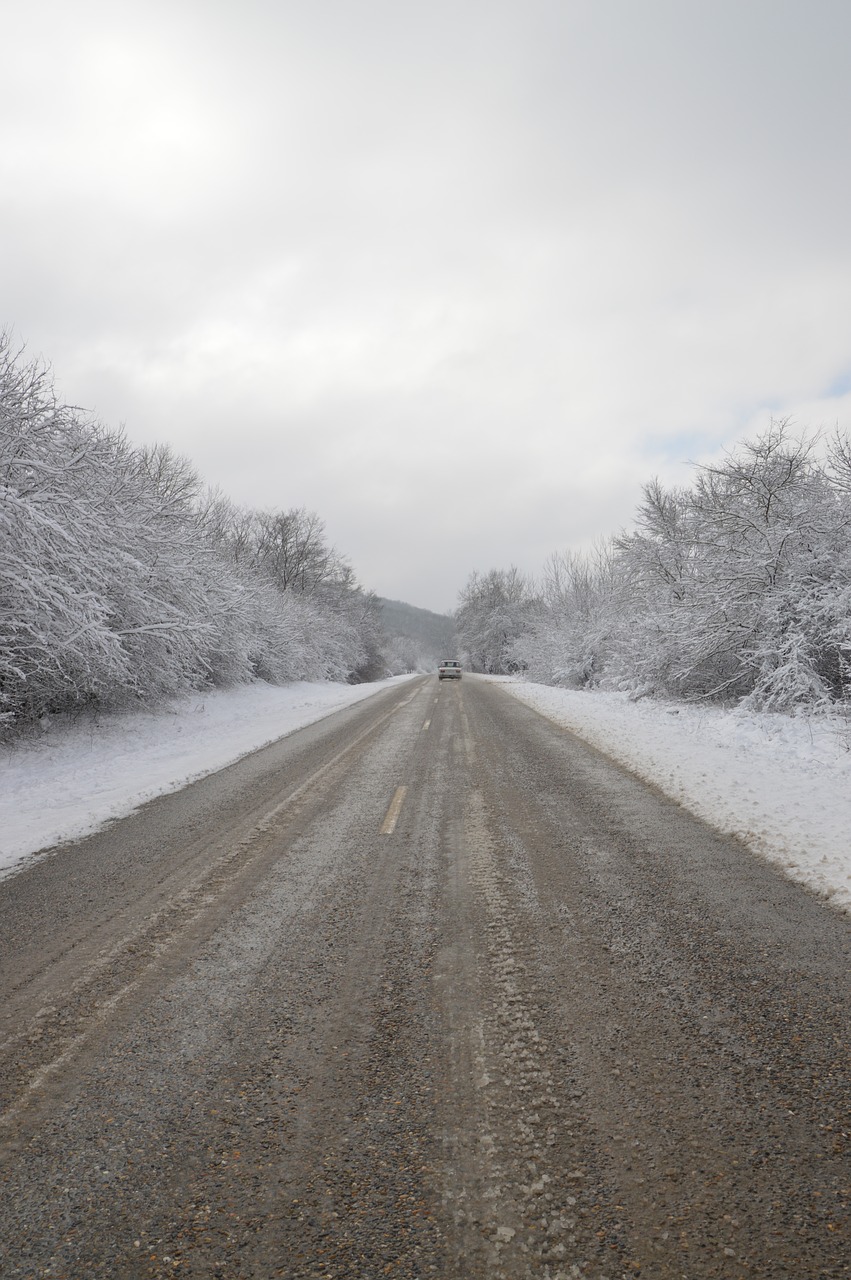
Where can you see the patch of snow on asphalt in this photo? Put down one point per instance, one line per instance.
(76, 777)
(781, 783)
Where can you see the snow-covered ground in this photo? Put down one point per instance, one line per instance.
(781, 783)
(75, 778)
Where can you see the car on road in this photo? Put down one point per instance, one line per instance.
(449, 669)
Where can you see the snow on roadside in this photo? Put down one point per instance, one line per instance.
(77, 777)
(782, 784)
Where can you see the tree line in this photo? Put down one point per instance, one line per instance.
(735, 588)
(124, 580)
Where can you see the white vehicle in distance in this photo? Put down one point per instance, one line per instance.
(449, 669)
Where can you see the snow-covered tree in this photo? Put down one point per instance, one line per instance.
(567, 639)
(121, 579)
(494, 611)
(737, 587)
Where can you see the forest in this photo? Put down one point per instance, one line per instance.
(734, 589)
(124, 580)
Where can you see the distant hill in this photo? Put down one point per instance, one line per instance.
(419, 638)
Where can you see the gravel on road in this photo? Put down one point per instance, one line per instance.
(539, 1023)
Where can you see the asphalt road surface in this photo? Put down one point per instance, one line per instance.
(429, 988)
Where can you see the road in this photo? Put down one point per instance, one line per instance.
(429, 988)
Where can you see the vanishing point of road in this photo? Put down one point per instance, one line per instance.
(427, 989)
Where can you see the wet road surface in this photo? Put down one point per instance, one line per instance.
(429, 988)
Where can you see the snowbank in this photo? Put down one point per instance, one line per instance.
(780, 783)
(77, 777)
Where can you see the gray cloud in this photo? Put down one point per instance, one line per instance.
(459, 276)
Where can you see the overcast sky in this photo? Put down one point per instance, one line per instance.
(458, 276)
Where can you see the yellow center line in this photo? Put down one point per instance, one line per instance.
(388, 826)
(427, 723)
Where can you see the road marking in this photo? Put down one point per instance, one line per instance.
(388, 826)
(427, 723)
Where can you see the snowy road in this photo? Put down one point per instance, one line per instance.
(427, 988)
